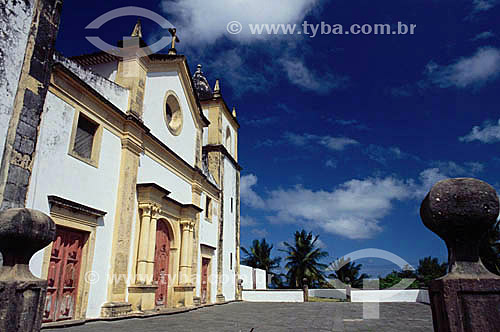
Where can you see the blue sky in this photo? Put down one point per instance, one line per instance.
(342, 135)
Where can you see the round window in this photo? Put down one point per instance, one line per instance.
(173, 114)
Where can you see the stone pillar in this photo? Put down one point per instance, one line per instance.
(185, 266)
(152, 244)
(184, 290)
(461, 211)
(305, 289)
(23, 232)
(144, 236)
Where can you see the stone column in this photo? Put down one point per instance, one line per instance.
(185, 266)
(23, 232)
(152, 243)
(461, 211)
(305, 289)
(184, 289)
(142, 255)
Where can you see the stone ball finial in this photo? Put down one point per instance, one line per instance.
(23, 232)
(461, 211)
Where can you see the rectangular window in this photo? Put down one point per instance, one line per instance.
(86, 139)
(231, 261)
(231, 205)
(208, 206)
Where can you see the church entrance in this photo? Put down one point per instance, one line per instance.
(204, 280)
(162, 255)
(63, 275)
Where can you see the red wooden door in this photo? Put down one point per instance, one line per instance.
(204, 280)
(63, 275)
(162, 254)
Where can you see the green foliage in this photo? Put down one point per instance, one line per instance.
(490, 250)
(303, 261)
(348, 272)
(395, 277)
(259, 257)
(429, 269)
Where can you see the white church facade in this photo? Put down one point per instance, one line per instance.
(137, 164)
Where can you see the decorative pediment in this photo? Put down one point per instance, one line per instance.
(152, 193)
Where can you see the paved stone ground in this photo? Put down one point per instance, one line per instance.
(276, 317)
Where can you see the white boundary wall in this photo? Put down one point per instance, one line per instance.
(274, 295)
(330, 293)
(406, 295)
(246, 274)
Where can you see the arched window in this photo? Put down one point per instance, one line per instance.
(228, 140)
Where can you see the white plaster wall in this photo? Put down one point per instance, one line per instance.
(14, 28)
(246, 275)
(113, 92)
(208, 229)
(229, 246)
(106, 70)
(157, 85)
(260, 278)
(152, 172)
(57, 173)
(328, 293)
(274, 295)
(404, 295)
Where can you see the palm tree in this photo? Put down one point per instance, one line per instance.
(259, 257)
(430, 269)
(490, 250)
(303, 261)
(348, 272)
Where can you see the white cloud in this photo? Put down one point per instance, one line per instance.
(332, 143)
(238, 76)
(247, 221)
(454, 169)
(260, 232)
(427, 179)
(483, 5)
(303, 77)
(382, 154)
(332, 163)
(248, 195)
(490, 133)
(477, 69)
(337, 143)
(355, 208)
(201, 21)
(352, 210)
(484, 35)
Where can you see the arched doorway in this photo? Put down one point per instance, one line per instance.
(162, 255)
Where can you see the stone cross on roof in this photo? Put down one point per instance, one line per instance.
(137, 29)
(173, 32)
